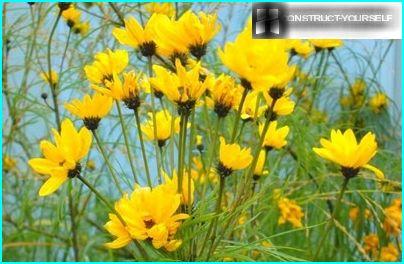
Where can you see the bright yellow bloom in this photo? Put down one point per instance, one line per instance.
(250, 110)
(91, 109)
(378, 102)
(135, 36)
(259, 168)
(105, 65)
(171, 185)
(199, 141)
(299, 47)
(225, 94)
(275, 137)
(82, 28)
(71, 16)
(163, 127)
(393, 218)
(9, 163)
(61, 160)
(371, 243)
(326, 43)
(358, 87)
(232, 157)
(389, 253)
(291, 212)
(54, 77)
(284, 105)
(246, 57)
(147, 214)
(344, 150)
(160, 8)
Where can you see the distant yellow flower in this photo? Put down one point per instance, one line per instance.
(171, 184)
(358, 87)
(160, 8)
(326, 43)
(82, 28)
(393, 218)
(142, 219)
(232, 157)
(135, 36)
(345, 101)
(91, 109)
(389, 253)
(163, 128)
(378, 102)
(71, 16)
(259, 168)
(105, 65)
(200, 30)
(283, 106)
(61, 160)
(275, 137)
(250, 110)
(225, 94)
(291, 212)
(128, 91)
(353, 213)
(299, 47)
(344, 150)
(371, 243)
(9, 163)
(90, 165)
(54, 77)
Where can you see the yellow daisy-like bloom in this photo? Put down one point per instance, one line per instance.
(244, 56)
(371, 243)
(105, 65)
(284, 105)
(259, 168)
(290, 212)
(160, 8)
(225, 94)
(91, 109)
(232, 157)
(9, 163)
(71, 16)
(275, 137)
(344, 150)
(163, 128)
(378, 102)
(326, 43)
(135, 36)
(358, 87)
(61, 160)
(187, 196)
(200, 30)
(393, 218)
(184, 88)
(54, 77)
(147, 214)
(302, 48)
(128, 91)
(250, 110)
(389, 253)
(82, 28)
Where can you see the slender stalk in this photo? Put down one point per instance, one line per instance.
(320, 73)
(65, 51)
(99, 195)
(333, 215)
(118, 13)
(190, 147)
(111, 170)
(125, 137)
(73, 224)
(182, 146)
(236, 121)
(146, 165)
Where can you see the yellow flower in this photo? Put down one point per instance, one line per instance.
(299, 47)
(160, 8)
(61, 160)
(9, 163)
(389, 253)
(371, 243)
(245, 56)
(284, 105)
(199, 142)
(82, 28)
(275, 137)
(232, 157)
(355, 211)
(344, 150)
(71, 16)
(326, 43)
(135, 36)
(147, 214)
(54, 78)
(91, 109)
(378, 102)
(171, 184)
(163, 129)
(259, 168)
(250, 110)
(393, 218)
(128, 91)
(105, 65)
(290, 211)
(345, 101)
(358, 87)
(90, 165)
(200, 30)
(225, 94)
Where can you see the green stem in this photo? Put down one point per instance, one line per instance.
(111, 170)
(146, 166)
(125, 137)
(236, 121)
(183, 140)
(99, 195)
(73, 224)
(320, 72)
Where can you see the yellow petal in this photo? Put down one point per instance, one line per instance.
(51, 185)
